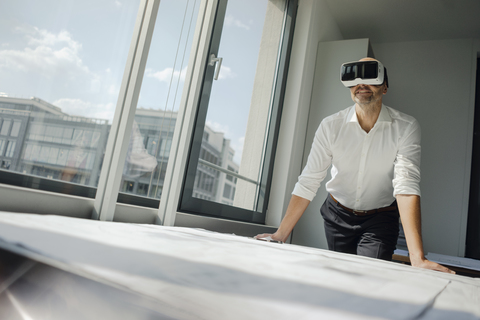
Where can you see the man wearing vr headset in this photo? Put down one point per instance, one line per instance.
(374, 152)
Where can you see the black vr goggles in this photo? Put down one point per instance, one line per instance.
(363, 72)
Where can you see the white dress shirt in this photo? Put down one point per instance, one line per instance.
(368, 169)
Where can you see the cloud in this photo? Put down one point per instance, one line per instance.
(218, 127)
(51, 55)
(78, 107)
(43, 38)
(226, 73)
(166, 74)
(112, 89)
(54, 59)
(231, 21)
(118, 3)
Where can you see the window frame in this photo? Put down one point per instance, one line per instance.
(90, 202)
(20, 184)
(188, 203)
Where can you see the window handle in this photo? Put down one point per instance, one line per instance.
(212, 62)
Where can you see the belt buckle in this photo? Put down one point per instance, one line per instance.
(359, 212)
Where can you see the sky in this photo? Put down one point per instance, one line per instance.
(72, 53)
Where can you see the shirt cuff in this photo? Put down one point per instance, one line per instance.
(410, 190)
(303, 192)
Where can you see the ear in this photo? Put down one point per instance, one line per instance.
(385, 89)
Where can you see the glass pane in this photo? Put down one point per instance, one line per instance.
(2, 146)
(5, 127)
(10, 149)
(159, 100)
(62, 66)
(240, 104)
(16, 128)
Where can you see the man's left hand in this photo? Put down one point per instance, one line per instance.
(427, 264)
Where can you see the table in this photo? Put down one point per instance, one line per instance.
(69, 268)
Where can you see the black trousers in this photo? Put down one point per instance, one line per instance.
(373, 236)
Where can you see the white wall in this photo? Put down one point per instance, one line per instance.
(434, 82)
(443, 105)
(314, 23)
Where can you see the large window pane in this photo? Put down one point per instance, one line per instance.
(159, 100)
(62, 65)
(237, 117)
(234, 98)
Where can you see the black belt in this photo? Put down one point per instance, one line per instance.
(362, 213)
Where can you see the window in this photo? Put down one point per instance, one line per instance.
(62, 141)
(10, 150)
(159, 101)
(72, 69)
(5, 127)
(237, 117)
(5, 164)
(15, 128)
(62, 157)
(227, 189)
(2, 146)
(166, 144)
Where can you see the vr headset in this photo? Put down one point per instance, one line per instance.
(363, 72)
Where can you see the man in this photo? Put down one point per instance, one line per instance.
(374, 152)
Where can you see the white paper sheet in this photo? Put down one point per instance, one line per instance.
(197, 274)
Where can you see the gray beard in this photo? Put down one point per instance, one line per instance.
(371, 101)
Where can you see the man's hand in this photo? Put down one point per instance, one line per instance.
(263, 235)
(270, 236)
(295, 210)
(409, 207)
(427, 264)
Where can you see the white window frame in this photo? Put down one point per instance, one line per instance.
(104, 206)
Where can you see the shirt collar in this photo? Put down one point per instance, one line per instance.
(384, 115)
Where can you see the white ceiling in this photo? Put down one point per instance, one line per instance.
(407, 20)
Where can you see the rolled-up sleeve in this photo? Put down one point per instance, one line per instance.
(319, 160)
(407, 164)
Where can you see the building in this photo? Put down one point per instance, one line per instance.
(212, 183)
(38, 139)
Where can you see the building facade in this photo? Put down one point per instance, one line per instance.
(38, 139)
